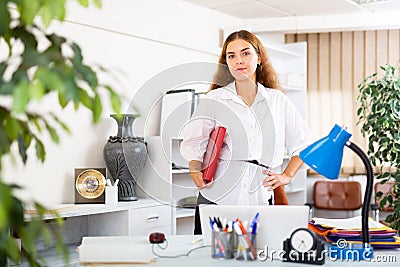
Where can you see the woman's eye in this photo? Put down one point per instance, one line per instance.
(231, 56)
(246, 53)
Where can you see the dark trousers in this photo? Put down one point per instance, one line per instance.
(197, 223)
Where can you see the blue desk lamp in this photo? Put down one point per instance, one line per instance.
(325, 157)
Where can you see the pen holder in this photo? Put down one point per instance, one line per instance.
(222, 245)
(246, 247)
(111, 195)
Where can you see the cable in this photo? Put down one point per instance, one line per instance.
(175, 256)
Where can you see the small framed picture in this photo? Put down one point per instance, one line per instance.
(90, 184)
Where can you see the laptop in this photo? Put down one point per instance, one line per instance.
(275, 223)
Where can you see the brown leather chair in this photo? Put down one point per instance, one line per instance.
(337, 195)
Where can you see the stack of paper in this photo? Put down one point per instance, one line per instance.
(113, 250)
(349, 229)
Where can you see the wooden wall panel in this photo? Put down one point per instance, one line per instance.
(358, 77)
(382, 47)
(312, 82)
(370, 52)
(347, 93)
(335, 80)
(290, 38)
(324, 81)
(337, 63)
(302, 37)
(394, 47)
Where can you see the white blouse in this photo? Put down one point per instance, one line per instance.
(260, 132)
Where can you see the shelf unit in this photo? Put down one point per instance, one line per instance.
(290, 62)
(183, 187)
(160, 182)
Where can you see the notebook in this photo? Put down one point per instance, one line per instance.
(276, 223)
(113, 250)
(211, 155)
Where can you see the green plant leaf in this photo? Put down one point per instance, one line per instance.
(36, 90)
(46, 236)
(53, 133)
(97, 3)
(97, 108)
(61, 123)
(52, 9)
(40, 150)
(86, 72)
(20, 97)
(35, 122)
(12, 249)
(29, 10)
(115, 100)
(22, 149)
(389, 218)
(4, 18)
(85, 99)
(84, 3)
(12, 127)
(49, 79)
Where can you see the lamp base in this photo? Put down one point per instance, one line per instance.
(355, 252)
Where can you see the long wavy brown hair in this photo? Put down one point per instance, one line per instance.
(265, 73)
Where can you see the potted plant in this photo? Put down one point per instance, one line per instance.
(27, 74)
(379, 116)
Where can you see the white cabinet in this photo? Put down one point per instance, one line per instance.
(166, 185)
(140, 218)
(126, 218)
(183, 188)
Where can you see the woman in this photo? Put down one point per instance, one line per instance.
(260, 120)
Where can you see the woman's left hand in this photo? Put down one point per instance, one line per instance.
(274, 180)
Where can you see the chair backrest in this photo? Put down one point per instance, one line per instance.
(386, 189)
(337, 195)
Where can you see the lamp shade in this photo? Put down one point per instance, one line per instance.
(325, 155)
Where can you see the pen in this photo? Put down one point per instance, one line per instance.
(253, 225)
(211, 223)
(226, 229)
(250, 245)
(219, 224)
(214, 228)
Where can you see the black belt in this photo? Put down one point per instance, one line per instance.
(254, 161)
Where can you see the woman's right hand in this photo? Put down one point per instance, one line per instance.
(197, 178)
(196, 174)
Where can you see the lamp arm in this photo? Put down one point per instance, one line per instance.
(368, 191)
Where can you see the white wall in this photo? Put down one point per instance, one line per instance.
(134, 40)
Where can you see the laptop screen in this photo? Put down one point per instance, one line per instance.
(275, 223)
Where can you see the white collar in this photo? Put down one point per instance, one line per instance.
(229, 92)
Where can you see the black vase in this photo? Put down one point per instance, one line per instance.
(125, 156)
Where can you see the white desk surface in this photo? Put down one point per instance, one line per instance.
(73, 210)
(202, 257)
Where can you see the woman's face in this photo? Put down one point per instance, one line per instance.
(242, 60)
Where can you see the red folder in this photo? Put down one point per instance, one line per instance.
(212, 153)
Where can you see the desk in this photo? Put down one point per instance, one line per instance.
(202, 257)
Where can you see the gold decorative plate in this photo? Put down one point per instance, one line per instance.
(90, 184)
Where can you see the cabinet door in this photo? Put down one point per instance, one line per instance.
(155, 218)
